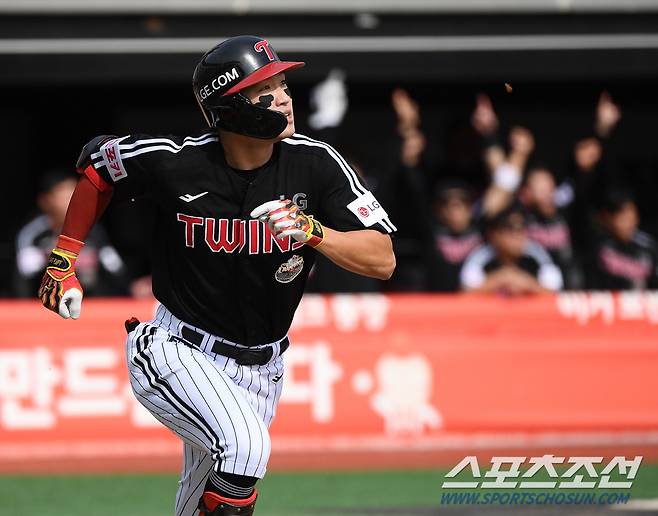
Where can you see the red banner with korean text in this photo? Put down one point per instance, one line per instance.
(370, 380)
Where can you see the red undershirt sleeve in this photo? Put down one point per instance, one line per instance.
(86, 206)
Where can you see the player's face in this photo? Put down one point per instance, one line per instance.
(274, 94)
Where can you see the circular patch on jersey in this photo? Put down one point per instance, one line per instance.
(364, 212)
(289, 270)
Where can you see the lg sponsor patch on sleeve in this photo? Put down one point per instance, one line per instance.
(112, 159)
(367, 209)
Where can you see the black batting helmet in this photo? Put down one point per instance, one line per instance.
(227, 69)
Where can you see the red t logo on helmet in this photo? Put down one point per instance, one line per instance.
(264, 45)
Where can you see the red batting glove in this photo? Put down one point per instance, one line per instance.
(60, 290)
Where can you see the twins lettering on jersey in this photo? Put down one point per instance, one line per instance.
(232, 235)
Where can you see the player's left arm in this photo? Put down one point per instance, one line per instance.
(351, 229)
(366, 251)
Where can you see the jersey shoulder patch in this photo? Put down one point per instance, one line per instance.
(367, 209)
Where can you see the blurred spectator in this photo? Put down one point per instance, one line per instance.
(546, 222)
(99, 267)
(624, 258)
(436, 232)
(505, 169)
(406, 196)
(590, 176)
(509, 263)
(454, 236)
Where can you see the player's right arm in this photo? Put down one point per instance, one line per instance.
(99, 164)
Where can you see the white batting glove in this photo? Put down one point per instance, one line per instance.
(285, 218)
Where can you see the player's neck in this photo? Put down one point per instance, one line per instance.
(244, 153)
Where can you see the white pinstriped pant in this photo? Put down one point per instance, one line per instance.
(221, 410)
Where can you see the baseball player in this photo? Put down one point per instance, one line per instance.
(242, 211)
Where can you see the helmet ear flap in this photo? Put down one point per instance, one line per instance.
(237, 114)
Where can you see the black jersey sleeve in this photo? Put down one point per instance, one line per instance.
(110, 162)
(346, 204)
(130, 164)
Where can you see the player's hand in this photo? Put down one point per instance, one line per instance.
(60, 290)
(285, 218)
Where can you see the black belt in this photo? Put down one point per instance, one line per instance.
(242, 356)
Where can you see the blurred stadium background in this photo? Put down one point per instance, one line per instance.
(391, 382)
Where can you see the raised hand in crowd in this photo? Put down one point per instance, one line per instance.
(588, 152)
(413, 140)
(408, 117)
(506, 176)
(521, 144)
(406, 109)
(484, 119)
(485, 122)
(608, 115)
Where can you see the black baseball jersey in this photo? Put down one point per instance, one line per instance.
(554, 235)
(449, 252)
(624, 265)
(213, 266)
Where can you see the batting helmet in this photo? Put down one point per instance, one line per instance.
(227, 69)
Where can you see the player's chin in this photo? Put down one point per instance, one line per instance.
(288, 131)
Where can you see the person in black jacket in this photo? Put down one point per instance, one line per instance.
(624, 257)
(101, 269)
(454, 235)
(509, 263)
(547, 223)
